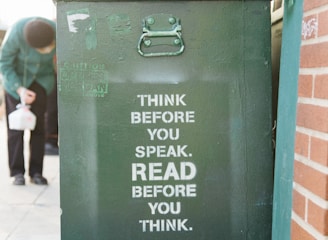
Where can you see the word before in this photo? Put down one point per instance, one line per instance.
(162, 117)
(168, 191)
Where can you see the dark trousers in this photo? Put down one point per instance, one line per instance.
(52, 117)
(37, 139)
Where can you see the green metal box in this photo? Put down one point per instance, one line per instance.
(165, 120)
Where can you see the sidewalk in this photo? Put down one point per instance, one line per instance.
(28, 212)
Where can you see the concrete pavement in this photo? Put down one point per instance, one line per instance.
(28, 212)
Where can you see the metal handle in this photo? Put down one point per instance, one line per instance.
(174, 32)
(160, 34)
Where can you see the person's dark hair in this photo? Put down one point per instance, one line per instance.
(38, 33)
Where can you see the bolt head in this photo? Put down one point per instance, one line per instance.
(172, 20)
(150, 21)
(147, 42)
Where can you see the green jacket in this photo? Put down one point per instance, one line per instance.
(21, 65)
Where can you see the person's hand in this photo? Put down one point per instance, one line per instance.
(27, 96)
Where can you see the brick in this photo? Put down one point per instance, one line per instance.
(302, 144)
(299, 204)
(319, 151)
(318, 218)
(323, 24)
(312, 117)
(311, 179)
(314, 55)
(311, 4)
(298, 233)
(321, 86)
(309, 27)
(305, 86)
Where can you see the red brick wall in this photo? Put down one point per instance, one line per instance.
(310, 188)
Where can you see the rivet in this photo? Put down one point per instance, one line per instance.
(150, 21)
(177, 41)
(147, 42)
(172, 20)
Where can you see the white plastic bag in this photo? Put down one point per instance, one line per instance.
(22, 118)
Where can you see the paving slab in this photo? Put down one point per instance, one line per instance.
(30, 211)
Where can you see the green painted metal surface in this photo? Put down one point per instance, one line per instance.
(288, 85)
(169, 147)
